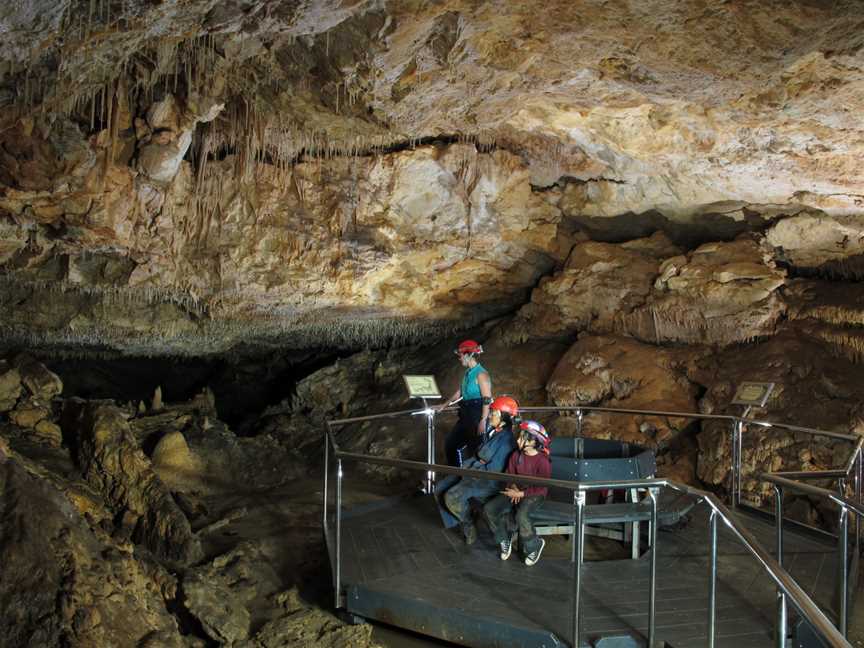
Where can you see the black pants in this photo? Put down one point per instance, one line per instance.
(464, 433)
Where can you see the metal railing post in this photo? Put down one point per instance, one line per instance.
(338, 533)
(843, 587)
(712, 583)
(326, 470)
(578, 549)
(859, 497)
(780, 630)
(430, 448)
(733, 500)
(579, 422)
(652, 591)
(740, 460)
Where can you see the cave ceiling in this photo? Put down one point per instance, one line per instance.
(188, 175)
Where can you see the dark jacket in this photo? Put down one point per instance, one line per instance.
(491, 456)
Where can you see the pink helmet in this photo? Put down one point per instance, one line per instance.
(539, 433)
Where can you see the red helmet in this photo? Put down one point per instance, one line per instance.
(505, 404)
(539, 433)
(468, 346)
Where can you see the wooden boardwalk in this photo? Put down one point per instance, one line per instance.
(400, 566)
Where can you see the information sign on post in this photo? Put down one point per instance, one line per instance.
(753, 394)
(422, 386)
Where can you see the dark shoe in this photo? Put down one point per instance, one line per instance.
(470, 531)
(534, 556)
(507, 547)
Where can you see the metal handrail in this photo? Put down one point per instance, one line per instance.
(613, 410)
(781, 482)
(785, 583)
(738, 425)
(809, 489)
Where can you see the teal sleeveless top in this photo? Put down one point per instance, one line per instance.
(470, 388)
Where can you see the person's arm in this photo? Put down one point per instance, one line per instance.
(485, 385)
(456, 395)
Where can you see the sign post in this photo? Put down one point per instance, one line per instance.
(425, 388)
(748, 395)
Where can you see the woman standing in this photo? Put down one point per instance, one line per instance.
(476, 394)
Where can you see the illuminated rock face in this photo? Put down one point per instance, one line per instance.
(178, 178)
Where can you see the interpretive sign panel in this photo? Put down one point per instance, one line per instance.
(754, 394)
(422, 386)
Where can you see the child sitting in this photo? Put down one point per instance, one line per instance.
(532, 458)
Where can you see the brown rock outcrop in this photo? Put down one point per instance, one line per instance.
(720, 293)
(812, 389)
(65, 583)
(175, 463)
(620, 372)
(42, 383)
(831, 311)
(327, 171)
(10, 386)
(601, 283)
(28, 414)
(816, 242)
(49, 433)
(114, 464)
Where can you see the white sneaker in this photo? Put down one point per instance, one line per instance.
(534, 556)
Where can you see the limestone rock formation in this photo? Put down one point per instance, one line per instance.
(225, 619)
(174, 462)
(114, 464)
(812, 389)
(306, 627)
(600, 284)
(40, 381)
(218, 174)
(10, 386)
(614, 371)
(28, 413)
(49, 433)
(831, 311)
(65, 583)
(720, 293)
(815, 242)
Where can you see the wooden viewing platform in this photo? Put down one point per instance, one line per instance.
(401, 567)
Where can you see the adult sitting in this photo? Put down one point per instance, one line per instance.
(495, 448)
(475, 393)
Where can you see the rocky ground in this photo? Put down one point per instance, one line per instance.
(214, 541)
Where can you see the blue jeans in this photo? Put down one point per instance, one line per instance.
(454, 495)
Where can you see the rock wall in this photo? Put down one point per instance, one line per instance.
(184, 178)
